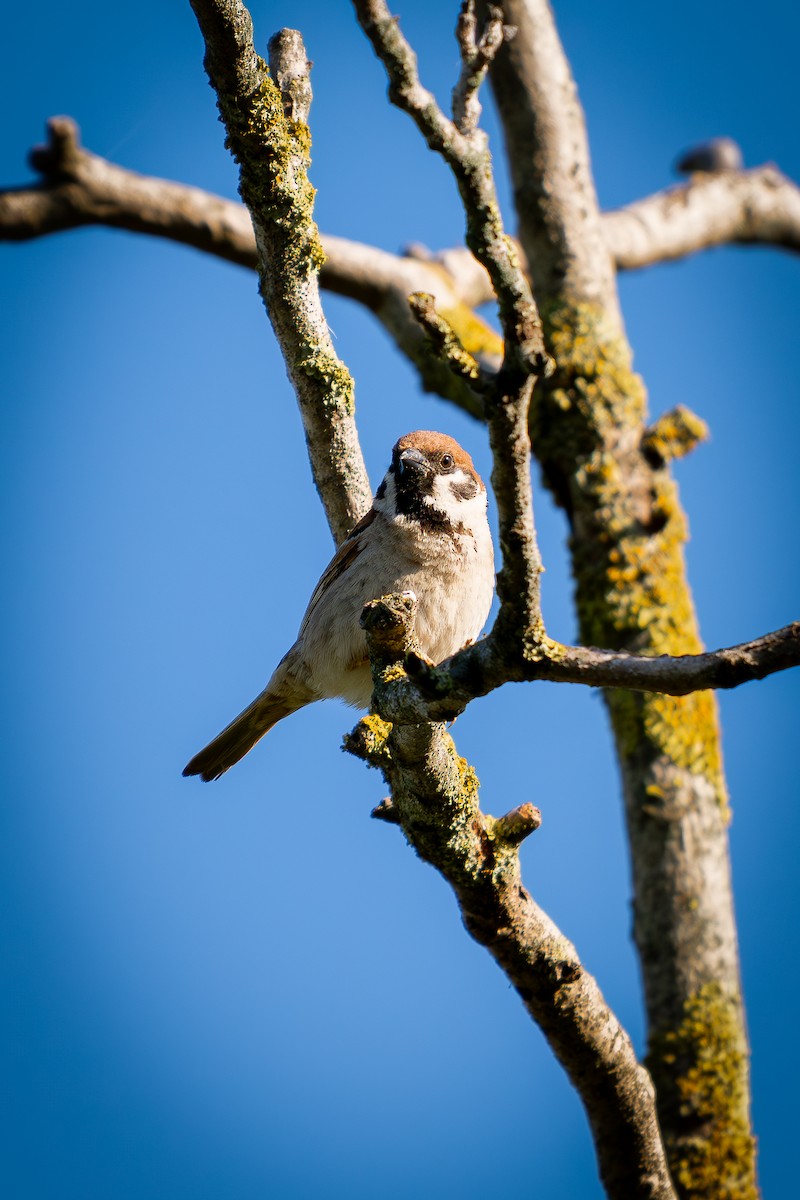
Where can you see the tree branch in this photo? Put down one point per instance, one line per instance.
(758, 207)
(78, 189)
(627, 534)
(435, 800)
(477, 53)
(271, 145)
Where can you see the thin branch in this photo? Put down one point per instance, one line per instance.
(469, 159)
(271, 146)
(507, 401)
(444, 341)
(78, 188)
(435, 800)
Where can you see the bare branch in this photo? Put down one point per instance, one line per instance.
(272, 151)
(435, 800)
(476, 55)
(469, 159)
(78, 189)
(741, 207)
(677, 675)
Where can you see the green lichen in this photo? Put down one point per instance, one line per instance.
(700, 1069)
(339, 389)
(628, 533)
(273, 153)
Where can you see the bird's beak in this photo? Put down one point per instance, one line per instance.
(413, 460)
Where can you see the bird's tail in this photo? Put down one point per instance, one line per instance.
(240, 736)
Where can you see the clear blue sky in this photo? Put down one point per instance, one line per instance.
(250, 989)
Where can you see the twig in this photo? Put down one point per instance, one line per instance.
(476, 55)
(445, 344)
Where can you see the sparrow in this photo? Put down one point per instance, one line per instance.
(427, 532)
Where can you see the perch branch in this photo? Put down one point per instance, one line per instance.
(435, 800)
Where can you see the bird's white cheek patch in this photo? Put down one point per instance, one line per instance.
(457, 495)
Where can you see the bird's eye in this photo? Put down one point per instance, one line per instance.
(447, 462)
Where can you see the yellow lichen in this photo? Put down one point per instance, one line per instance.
(393, 673)
(674, 434)
(475, 335)
(706, 1061)
(370, 741)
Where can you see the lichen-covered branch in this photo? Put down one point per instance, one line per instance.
(271, 145)
(435, 800)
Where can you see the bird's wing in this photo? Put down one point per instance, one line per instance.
(347, 553)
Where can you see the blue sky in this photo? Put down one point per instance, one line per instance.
(251, 989)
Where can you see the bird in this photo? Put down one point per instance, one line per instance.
(712, 157)
(427, 532)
